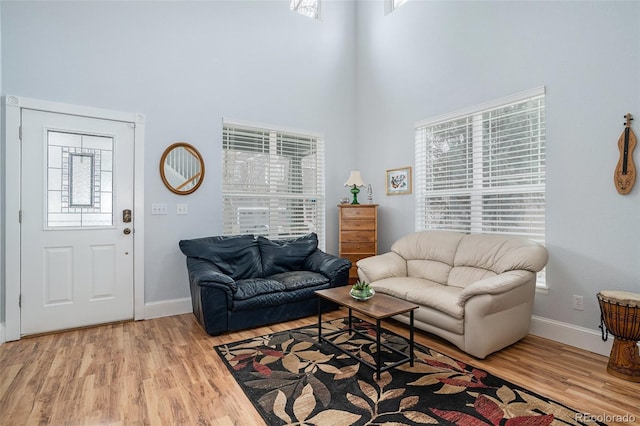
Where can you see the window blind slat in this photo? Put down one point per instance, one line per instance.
(484, 171)
(273, 182)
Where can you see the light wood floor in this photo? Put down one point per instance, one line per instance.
(165, 372)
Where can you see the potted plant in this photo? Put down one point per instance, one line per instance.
(361, 291)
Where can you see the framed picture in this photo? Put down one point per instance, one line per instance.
(399, 181)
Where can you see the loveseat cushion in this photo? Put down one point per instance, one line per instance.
(424, 293)
(500, 253)
(285, 255)
(429, 254)
(482, 256)
(400, 286)
(294, 280)
(463, 276)
(252, 287)
(235, 255)
(443, 298)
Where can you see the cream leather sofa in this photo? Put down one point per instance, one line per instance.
(474, 290)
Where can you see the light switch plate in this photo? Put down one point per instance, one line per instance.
(159, 208)
(182, 209)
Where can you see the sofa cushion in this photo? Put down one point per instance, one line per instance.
(500, 253)
(279, 298)
(429, 269)
(252, 287)
(235, 255)
(463, 276)
(443, 298)
(294, 280)
(285, 255)
(423, 292)
(435, 321)
(438, 247)
(399, 287)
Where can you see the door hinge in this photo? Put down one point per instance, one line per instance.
(20, 301)
(19, 216)
(20, 132)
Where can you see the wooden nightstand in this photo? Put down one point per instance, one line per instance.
(358, 234)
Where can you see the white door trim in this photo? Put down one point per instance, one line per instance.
(11, 225)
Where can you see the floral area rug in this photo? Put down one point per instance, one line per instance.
(292, 379)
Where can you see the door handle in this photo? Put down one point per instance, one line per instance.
(126, 231)
(126, 215)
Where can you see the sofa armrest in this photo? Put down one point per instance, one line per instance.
(204, 273)
(497, 284)
(211, 294)
(326, 264)
(382, 266)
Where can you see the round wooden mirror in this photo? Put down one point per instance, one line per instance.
(182, 168)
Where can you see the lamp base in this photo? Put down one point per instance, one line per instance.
(355, 190)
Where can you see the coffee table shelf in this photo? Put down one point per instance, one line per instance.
(378, 307)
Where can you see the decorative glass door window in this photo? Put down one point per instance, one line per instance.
(79, 180)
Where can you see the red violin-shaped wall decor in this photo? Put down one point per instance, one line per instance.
(625, 174)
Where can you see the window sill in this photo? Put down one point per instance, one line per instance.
(542, 289)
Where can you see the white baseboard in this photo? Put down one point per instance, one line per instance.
(167, 308)
(163, 308)
(568, 334)
(573, 335)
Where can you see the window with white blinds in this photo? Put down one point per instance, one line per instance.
(391, 5)
(273, 182)
(482, 170)
(310, 8)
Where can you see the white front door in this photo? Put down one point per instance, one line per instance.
(77, 184)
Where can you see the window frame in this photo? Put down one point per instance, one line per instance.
(392, 5)
(274, 194)
(474, 185)
(308, 8)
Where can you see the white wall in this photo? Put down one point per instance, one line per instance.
(433, 57)
(185, 65)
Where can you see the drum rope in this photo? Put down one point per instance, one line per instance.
(604, 330)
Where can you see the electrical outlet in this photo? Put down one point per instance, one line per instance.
(578, 303)
(159, 208)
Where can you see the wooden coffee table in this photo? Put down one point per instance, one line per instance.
(379, 307)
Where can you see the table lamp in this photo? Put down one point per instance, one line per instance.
(355, 181)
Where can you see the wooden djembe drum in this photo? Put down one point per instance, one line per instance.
(620, 314)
